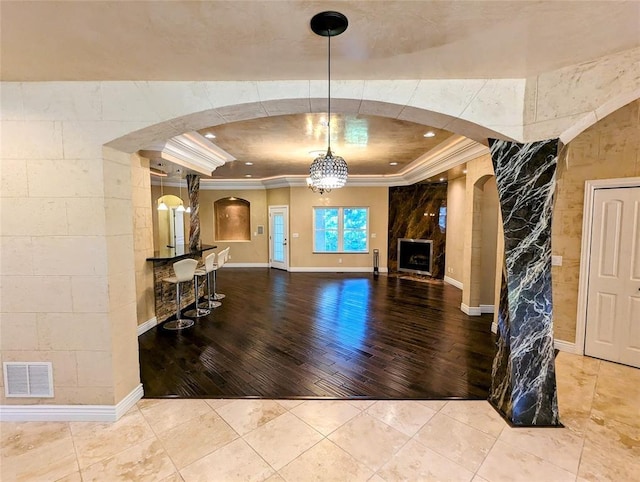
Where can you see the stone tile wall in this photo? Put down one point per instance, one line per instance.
(609, 149)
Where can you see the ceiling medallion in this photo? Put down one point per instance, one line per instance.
(328, 171)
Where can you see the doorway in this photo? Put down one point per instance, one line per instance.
(176, 227)
(612, 324)
(171, 222)
(278, 237)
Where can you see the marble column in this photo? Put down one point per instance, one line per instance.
(193, 185)
(523, 384)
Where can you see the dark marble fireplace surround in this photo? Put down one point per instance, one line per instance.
(414, 213)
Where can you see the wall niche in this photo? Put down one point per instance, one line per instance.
(233, 219)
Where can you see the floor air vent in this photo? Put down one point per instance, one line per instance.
(31, 379)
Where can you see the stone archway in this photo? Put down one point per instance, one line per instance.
(85, 143)
(593, 117)
(159, 132)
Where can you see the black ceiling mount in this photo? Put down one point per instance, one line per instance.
(329, 24)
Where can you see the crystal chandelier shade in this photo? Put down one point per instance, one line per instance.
(328, 172)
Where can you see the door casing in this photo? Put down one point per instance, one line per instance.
(587, 225)
(285, 210)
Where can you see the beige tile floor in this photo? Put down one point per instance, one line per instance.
(224, 440)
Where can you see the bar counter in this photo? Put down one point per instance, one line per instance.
(173, 253)
(165, 293)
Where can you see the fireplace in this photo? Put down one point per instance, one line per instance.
(415, 255)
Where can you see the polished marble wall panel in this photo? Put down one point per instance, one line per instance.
(193, 186)
(414, 213)
(523, 380)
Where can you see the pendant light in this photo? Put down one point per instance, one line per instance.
(328, 171)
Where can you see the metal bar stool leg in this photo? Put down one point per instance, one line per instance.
(197, 312)
(179, 323)
(216, 296)
(212, 302)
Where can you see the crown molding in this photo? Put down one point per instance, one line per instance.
(230, 184)
(450, 153)
(193, 152)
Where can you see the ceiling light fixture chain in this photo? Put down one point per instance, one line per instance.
(181, 207)
(328, 92)
(162, 206)
(328, 171)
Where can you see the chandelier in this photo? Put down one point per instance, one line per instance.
(328, 171)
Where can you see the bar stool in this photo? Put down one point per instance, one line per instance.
(222, 259)
(210, 268)
(184, 271)
(197, 312)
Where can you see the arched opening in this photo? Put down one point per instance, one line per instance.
(115, 150)
(481, 245)
(171, 222)
(489, 206)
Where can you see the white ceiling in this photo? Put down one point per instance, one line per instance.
(262, 40)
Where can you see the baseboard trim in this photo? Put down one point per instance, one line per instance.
(310, 269)
(336, 269)
(565, 346)
(470, 310)
(454, 282)
(70, 413)
(246, 265)
(147, 325)
(487, 309)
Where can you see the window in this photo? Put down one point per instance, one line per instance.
(442, 218)
(341, 230)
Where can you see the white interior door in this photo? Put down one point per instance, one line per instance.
(613, 303)
(178, 227)
(278, 237)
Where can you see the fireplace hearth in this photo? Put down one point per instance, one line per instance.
(415, 255)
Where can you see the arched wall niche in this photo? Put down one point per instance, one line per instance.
(232, 219)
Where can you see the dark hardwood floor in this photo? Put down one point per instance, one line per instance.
(335, 335)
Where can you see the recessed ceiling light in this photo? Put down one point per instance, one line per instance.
(247, 175)
(393, 163)
(248, 163)
(430, 134)
(464, 171)
(441, 179)
(209, 135)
